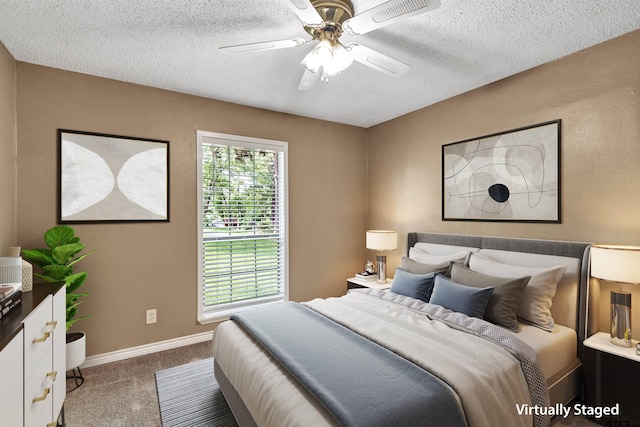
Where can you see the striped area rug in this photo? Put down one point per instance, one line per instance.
(189, 396)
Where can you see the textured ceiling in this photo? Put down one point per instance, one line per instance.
(173, 44)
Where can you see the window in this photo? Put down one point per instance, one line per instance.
(242, 197)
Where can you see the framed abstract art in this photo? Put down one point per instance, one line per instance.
(507, 176)
(111, 178)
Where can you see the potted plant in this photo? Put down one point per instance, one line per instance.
(57, 262)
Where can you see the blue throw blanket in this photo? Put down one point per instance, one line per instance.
(359, 382)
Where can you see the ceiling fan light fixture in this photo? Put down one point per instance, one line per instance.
(319, 57)
(341, 61)
(326, 21)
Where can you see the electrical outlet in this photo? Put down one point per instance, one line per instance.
(152, 316)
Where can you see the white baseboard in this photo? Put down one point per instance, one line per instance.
(127, 353)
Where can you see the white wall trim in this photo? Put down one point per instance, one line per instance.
(127, 353)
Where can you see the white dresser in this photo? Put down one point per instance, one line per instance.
(32, 359)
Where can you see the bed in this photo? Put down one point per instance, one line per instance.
(480, 363)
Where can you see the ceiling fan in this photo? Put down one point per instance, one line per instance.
(326, 21)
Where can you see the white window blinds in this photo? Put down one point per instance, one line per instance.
(243, 223)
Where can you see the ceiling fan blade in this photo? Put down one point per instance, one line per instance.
(309, 79)
(376, 60)
(386, 14)
(252, 47)
(306, 12)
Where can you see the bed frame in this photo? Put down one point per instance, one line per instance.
(570, 305)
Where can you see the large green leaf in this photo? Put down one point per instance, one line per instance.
(81, 257)
(57, 272)
(74, 281)
(39, 257)
(64, 254)
(73, 300)
(71, 321)
(59, 235)
(71, 313)
(46, 278)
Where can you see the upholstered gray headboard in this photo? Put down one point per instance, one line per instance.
(575, 312)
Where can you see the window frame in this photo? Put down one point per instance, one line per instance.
(207, 316)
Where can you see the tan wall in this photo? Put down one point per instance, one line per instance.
(596, 94)
(153, 265)
(7, 150)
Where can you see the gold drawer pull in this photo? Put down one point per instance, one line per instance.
(43, 338)
(52, 375)
(43, 397)
(53, 324)
(53, 424)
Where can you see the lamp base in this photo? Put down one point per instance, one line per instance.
(382, 268)
(621, 318)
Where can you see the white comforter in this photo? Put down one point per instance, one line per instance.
(487, 378)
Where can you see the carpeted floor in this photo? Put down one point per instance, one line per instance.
(123, 394)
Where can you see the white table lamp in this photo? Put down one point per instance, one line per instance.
(382, 240)
(619, 264)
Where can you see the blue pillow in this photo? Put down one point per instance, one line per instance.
(418, 286)
(464, 299)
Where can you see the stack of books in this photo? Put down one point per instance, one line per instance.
(10, 298)
(366, 276)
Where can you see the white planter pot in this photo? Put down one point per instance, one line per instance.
(76, 349)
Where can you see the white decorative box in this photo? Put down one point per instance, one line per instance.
(27, 276)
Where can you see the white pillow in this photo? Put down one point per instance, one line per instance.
(426, 258)
(536, 298)
(438, 249)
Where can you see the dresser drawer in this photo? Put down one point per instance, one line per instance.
(38, 393)
(11, 385)
(38, 336)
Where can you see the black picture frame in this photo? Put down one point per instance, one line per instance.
(510, 176)
(105, 178)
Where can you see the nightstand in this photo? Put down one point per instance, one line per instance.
(612, 377)
(354, 283)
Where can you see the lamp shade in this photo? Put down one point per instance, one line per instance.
(615, 262)
(382, 240)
